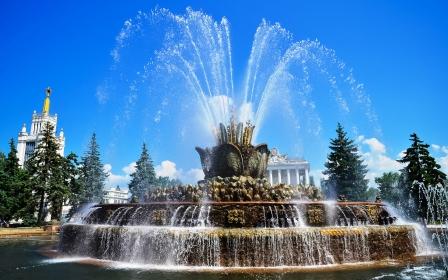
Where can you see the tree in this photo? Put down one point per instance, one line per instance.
(372, 193)
(45, 168)
(345, 169)
(420, 172)
(390, 188)
(92, 175)
(166, 182)
(144, 176)
(67, 186)
(20, 189)
(4, 192)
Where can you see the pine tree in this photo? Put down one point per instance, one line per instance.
(45, 168)
(144, 176)
(92, 175)
(421, 171)
(66, 185)
(4, 192)
(167, 182)
(20, 187)
(389, 187)
(345, 169)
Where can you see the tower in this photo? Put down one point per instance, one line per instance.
(27, 142)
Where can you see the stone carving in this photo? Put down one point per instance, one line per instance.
(316, 216)
(242, 188)
(235, 217)
(159, 217)
(234, 155)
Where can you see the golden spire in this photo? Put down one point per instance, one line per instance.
(46, 108)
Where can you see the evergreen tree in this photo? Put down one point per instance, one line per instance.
(21, 191)
(389, 187)
(66, 187)
(421, 172)
(92, 175)
(166, 182)
(345, 169)
(4, 192)
(144, 176)
(45, 168)
(372, 194)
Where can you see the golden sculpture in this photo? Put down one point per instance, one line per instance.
(46, 107)
(234, 155)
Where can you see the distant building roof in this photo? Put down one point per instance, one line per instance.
(278, 159)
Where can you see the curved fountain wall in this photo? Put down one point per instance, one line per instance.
(256, 234)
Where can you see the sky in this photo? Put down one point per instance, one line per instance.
(397, 50)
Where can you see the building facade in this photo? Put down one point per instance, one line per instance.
(116, 196)
(282, 169)
(28, 141)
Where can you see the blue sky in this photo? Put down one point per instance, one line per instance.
(397, 50)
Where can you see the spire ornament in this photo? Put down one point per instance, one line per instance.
(46, 107)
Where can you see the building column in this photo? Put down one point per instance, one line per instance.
(288, 176)
(297, 176)
(279, 176)
(270, 177)
(307, 177)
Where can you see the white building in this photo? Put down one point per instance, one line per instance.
(282, 169)
(28, 141)
(115, 196)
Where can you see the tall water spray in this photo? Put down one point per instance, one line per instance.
(178, 71)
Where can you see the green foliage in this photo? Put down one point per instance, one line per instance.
(67, 189)
(345, 169)
(166, 182)
(144, 176)
(46, 168)
(92, 176)
(372, 194)
(389, 187)
(421, 172)
(15, 192)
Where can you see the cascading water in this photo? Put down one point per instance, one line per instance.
(199, 235)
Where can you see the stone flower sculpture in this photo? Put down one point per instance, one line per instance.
(234, 155)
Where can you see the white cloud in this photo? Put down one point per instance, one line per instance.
(130, 168)
(114, 180)
(168, 168)
(441, 156)
(165, 169)
(435, 147)
(401, 154)
(376, 158)
(375, 145)
(443, 161)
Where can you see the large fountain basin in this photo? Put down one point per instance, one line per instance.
(239, 247)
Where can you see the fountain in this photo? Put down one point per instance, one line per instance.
(235, 218)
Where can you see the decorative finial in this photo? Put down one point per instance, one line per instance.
(46, 108)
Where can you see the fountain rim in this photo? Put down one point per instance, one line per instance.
(248, 203)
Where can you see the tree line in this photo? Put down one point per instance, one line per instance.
(406, 189)
(48, 180)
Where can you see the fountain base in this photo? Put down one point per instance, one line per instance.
(240, 247)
